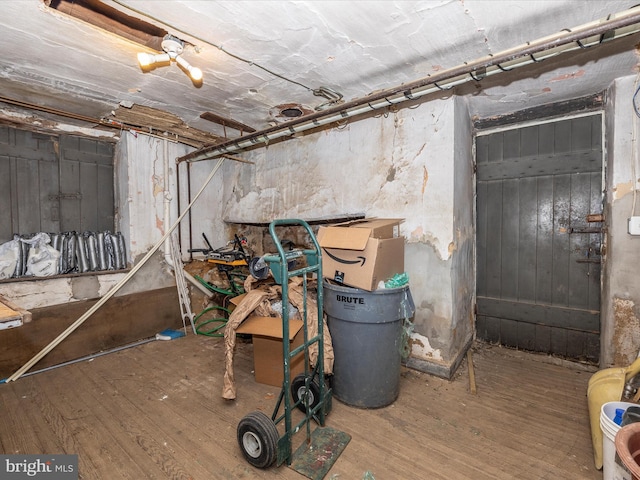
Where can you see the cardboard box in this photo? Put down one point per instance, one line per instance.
(268, 364)
(362, 253)
(235, 301)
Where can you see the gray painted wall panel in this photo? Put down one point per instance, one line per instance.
(561, 239)
(493, 279)
(578, 272)
(481, 237)
(48, 187)
(541, 314)
(543, 242)
(5, 191)
(529, 141)
(510, 241)
(527, 226)
(532, 165)
(28, 196)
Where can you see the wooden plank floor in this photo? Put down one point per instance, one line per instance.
(155, 411)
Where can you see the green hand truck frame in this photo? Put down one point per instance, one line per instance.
(257, 434)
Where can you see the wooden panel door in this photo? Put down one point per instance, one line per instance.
(538, 250)
(54, 183)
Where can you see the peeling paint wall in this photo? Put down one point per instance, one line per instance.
(407, 164)
(432, 290)
(442, 336)
(620, 317)
(397, 164)
(626, 333)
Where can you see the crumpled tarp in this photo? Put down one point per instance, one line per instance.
(258, 301)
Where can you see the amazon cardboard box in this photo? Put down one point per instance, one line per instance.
(268, 364)
(362, 253)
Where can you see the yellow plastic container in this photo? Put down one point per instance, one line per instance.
(606, 386)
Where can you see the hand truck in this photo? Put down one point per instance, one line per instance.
(257, 434)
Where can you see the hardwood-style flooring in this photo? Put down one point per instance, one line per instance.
(155, 411)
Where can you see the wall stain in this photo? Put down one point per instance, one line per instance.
(159, 224)
(568, 76)
(418, 235)
(158, 184)
(622, 189)
(626, 337)
(425, 178)
(391, 174)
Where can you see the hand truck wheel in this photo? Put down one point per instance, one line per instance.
(298, 390)
(258, 268)
(258, 439)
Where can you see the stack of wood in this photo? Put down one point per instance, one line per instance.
(12, 315)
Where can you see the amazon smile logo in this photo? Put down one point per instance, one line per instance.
(360, 260)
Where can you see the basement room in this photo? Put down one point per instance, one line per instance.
(363, 240)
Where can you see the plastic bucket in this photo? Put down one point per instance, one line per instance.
(612, 470)
(366, 333)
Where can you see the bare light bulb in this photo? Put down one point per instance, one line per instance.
(145, 59)
(148, 59)
(194, 72)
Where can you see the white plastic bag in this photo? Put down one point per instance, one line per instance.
(9, 254)
(43, 258)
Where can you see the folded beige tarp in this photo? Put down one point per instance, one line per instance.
(258, 301)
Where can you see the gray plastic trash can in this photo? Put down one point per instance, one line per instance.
(366, 332)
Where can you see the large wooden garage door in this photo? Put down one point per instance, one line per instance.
(538, 248)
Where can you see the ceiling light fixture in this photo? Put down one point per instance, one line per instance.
(173, 48)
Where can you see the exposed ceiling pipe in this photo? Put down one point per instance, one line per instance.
(107, 123)
(55, 111)
(591, 34)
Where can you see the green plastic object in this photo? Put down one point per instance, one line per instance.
(398, 280)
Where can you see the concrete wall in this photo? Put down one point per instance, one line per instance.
(620, 325)
(413, 164)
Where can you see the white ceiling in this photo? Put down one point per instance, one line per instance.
(350, 47)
